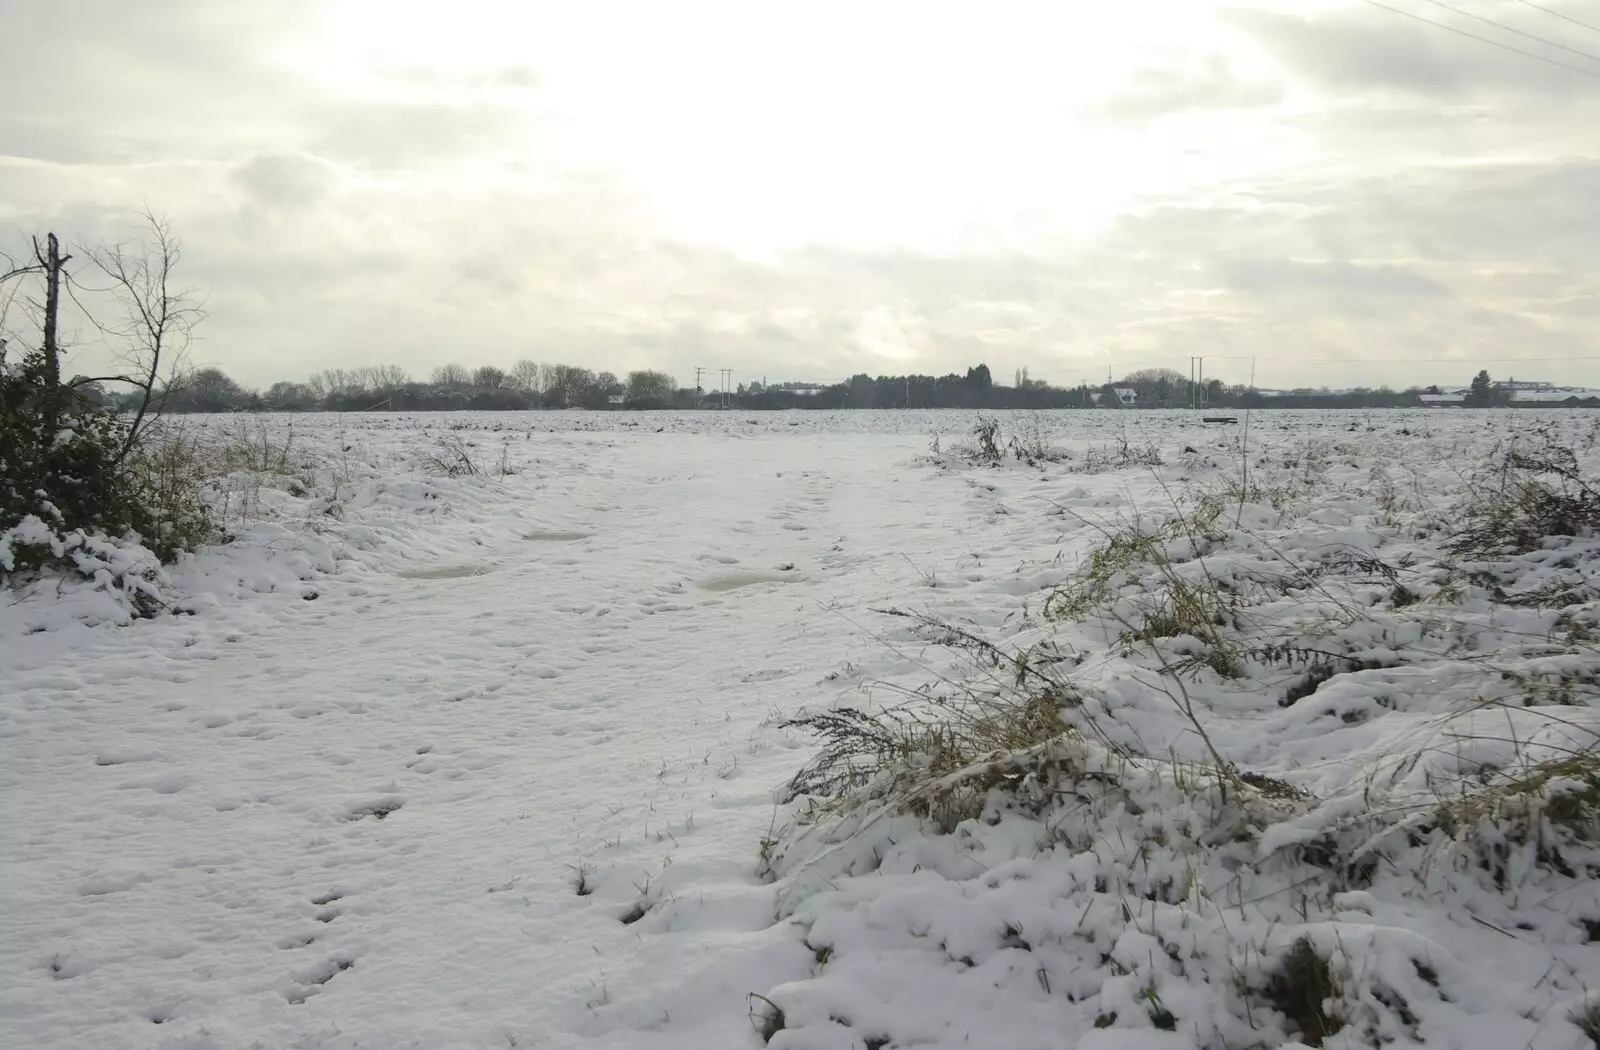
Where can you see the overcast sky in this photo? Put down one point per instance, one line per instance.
(808, 190)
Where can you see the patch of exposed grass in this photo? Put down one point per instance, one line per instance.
(1127, 548)
(1587, 1018)
(1120, 455)
(1563, 791)
(766, 1016)
(451, 458)
(1534, 490)
(991, 446)
(1300, 989)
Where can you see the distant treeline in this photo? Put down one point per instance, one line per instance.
(530, 385)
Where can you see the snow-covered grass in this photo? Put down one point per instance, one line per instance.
(1266, 768)
(483, 730)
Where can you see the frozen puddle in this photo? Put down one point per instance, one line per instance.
(734, 581)
(445, 572)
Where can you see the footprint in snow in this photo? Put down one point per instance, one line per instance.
(113, 882)
(309, 981)
(164, 784)
(377, 808)
(119, 757)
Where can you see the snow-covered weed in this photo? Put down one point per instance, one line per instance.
(1012, 703)
(1300, 988)
(1122, 454)
(990, 446)
(452, 458)
(1222, 792)
(1534, 489)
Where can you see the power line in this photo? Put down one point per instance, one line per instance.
(1508, 29)
(1558, 14)
(1418, 360)
(1474, 36)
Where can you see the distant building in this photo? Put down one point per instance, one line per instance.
(1455, 399)
(1548, 395)
(1127, 396)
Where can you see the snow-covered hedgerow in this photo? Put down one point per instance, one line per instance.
(257, 504)
(1284, 766)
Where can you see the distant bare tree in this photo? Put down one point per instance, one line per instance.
(1150, 377)
(388, 377)
(451, 375)
(649, 387)
(290, 395)
(334, 382)
(526, 376)
(489, 377)
(569, 385)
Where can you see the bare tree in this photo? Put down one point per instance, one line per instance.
(388, 377)
(47, 260)
(451, 375)
(527, 376)
(569, 385)
(649, 387)
(334, 382)
(151, 337)
(10, 270)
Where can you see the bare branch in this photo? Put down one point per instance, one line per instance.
(157, 319)
(73, 384)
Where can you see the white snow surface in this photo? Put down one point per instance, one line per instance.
(344, 789)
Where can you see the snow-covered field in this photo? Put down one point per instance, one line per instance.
(498, 759)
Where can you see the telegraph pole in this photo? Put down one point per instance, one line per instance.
(1197, 381)
(698, 371)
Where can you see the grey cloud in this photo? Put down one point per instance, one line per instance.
(1368, 49)
(506, 78)
(403, 135)
(284, 180)
(1488, 213)
(1288, 276)
(129, 72)
(328, 232)
(41, 138)
(1209, 85)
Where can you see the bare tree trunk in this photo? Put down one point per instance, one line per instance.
(52, 261)
(52, 307)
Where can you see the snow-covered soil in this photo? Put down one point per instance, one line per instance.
(493, 760)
